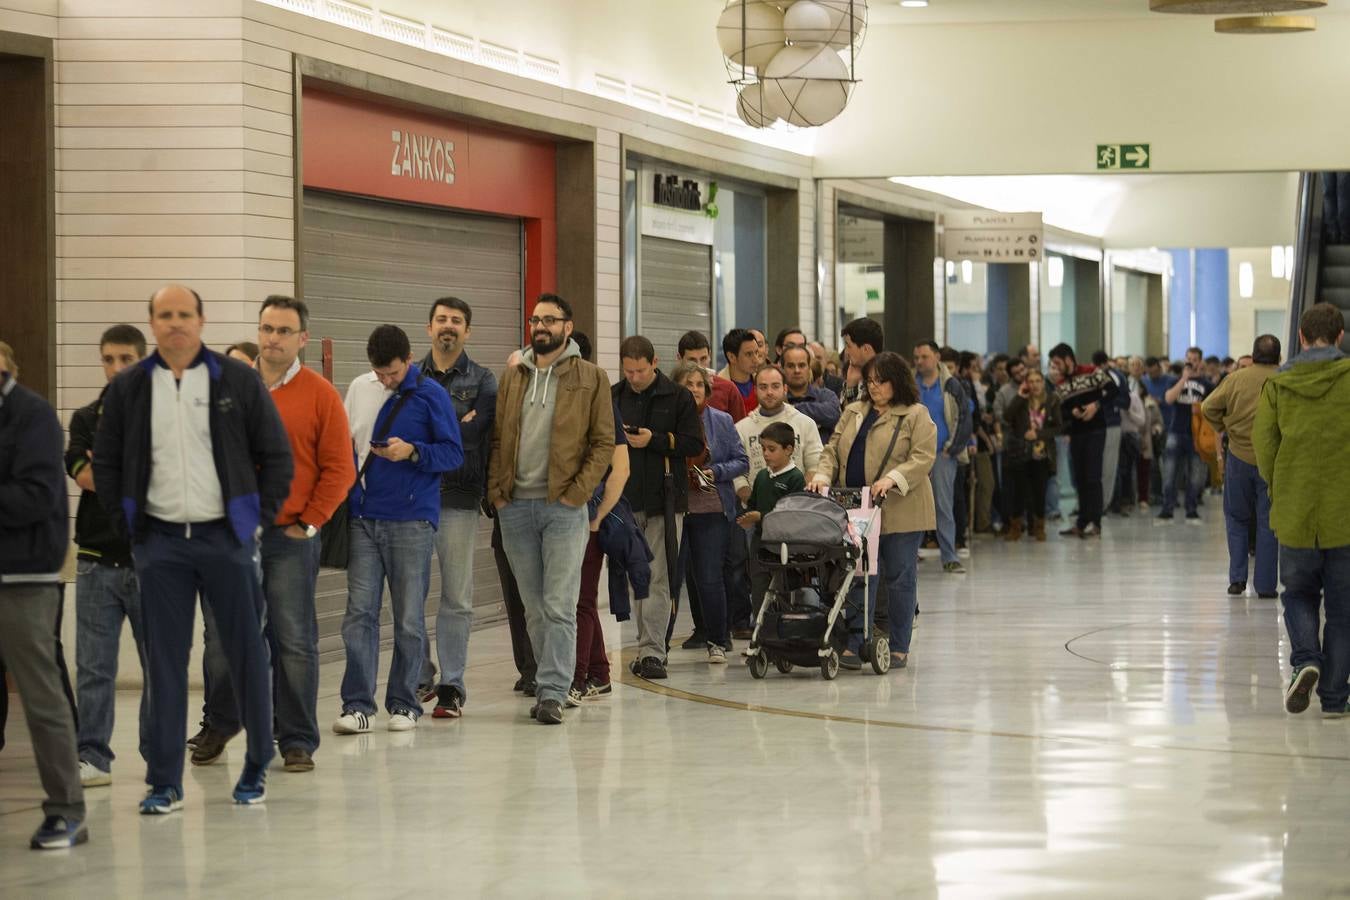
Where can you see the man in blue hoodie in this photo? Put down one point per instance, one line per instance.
(395, 508)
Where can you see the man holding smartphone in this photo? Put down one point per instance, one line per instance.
(1186, 394)
(395, 510)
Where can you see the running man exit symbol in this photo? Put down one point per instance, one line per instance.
(1123, 156)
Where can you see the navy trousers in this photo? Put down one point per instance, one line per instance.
(173, 563)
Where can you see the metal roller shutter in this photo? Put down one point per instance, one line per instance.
(676, 281)
(370, 262)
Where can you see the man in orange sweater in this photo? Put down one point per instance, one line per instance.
(316, 424)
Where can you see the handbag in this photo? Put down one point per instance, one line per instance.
(335, 540)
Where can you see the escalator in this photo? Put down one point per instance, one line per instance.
(1321, 269)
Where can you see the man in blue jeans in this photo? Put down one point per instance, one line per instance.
(1231, 409)
(472, 390)
(395, 508)
(1302, 441)
(1181, 457)
(106, 590)
(552, 442)
(950, 408)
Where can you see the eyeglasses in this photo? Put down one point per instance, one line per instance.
(283, 331)
(547, 321)
(876, 382)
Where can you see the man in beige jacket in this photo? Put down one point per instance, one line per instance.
(1231, 409)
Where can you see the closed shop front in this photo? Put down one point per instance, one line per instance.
(400, 207)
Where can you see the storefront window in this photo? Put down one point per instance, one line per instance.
(860, 272)
(968, 307)
(738, 263)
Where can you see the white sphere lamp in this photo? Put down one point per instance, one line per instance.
(805, 86)
(750, 32)
(808, 24)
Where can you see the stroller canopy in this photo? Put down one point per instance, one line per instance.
(806, 518)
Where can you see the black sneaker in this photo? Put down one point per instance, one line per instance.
(695, 641)
(449, 704)
(1165, 515)
(426, 692)
(529, 688)
(549, 712)
(1301, 685)
(1270, 596)
(520, 684)
(595, 689)
(1192, 516)
(728, 646)
(650, 668)
(1237, 588)
(194, 741)
(210, 748)
(574, 696)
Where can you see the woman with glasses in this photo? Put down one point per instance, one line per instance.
(888, 442)
(708, 527)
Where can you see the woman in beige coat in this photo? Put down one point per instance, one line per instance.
(888, 443)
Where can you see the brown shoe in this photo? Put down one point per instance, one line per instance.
(210, 748)
(1038, 529)
(297, 760)
(1014, 532)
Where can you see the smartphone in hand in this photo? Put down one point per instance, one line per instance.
(379, 443)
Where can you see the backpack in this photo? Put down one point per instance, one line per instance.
(1203, 435)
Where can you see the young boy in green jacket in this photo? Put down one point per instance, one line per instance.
(779, 477)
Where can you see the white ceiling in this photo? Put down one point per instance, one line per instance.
(942, 12)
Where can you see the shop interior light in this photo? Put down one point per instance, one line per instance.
(913, 4)
(1289, 262)
(967, 271)
(951, 269)
(1054, 271)
(1246, 281)
(1276, 262)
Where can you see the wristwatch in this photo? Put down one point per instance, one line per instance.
(310, 530)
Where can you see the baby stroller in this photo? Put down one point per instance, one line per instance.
(813, 553)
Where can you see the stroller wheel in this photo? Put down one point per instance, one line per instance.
(880, 651)
(759, 665)
(784, 665)
(829, 666)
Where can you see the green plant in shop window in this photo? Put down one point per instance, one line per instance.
(710, 208)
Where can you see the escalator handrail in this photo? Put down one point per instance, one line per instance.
(1303, 286)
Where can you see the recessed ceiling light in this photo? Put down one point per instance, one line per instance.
(913, 4)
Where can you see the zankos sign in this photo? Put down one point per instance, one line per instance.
(422, 157)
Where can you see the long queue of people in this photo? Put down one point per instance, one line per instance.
(206, 476)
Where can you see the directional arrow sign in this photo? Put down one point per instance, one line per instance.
(1124, 156)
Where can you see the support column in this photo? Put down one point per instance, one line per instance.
(1009, 307)
(1182, 302)
(1211, 301)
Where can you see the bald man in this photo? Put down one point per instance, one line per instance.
(190, 460)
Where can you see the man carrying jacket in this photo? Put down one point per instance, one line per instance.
(472, 390)
(191, 459)
(1084, 392)
(395, 510)
(34, 529)
(663, 428)
(1231, 409)
(106, 591)
(1302, 443)
(950, 409)
(551, 444)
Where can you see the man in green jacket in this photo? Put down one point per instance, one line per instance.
(1302, 443)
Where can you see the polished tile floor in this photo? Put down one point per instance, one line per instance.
(1079, 719)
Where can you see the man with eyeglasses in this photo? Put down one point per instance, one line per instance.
(395, 510)
(552, 441)
(316, 426)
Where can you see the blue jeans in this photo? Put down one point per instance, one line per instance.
(104, 596)
(546, 543)
(290, 576)
(943, 478)
(399, 552)
(455, 539)
(1180, 454)
(898, 561)
(704, 551)
(1314, 579)
(1245, 496)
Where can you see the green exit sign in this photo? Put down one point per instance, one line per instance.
(1124, 156)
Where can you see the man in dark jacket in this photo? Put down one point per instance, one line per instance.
(663, 428)
(106, 590)
(191, 460)
(34, 529)
(473, 394)
(1083, 392)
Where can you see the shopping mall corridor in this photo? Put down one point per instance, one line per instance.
(1078, 718)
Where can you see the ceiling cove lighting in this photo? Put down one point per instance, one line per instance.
(791, 59)
(913, 4)
(1246, 281)
(967, 271)
(1288, 262)
(1232, 7)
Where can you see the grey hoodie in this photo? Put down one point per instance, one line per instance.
(1314, 354)
(536, 425)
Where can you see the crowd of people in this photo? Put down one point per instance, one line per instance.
(231, 478)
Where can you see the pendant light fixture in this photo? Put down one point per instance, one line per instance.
(1232, 7)
(1265, 24)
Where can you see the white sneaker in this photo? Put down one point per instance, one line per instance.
(402, 722)
(964, 553)
(92, 776)
(352, 723)
(716, 655)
